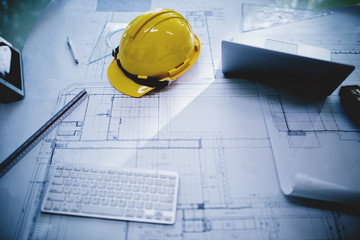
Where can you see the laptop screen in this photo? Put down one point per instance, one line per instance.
(302, 74)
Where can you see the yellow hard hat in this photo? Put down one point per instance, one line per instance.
(156, 48)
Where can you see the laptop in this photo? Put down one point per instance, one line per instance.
(300, 68)
(11, 75)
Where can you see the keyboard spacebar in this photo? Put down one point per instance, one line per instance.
(102, 210)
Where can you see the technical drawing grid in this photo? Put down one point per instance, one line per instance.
(248, 214)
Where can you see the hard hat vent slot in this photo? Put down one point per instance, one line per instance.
(179, 65)
(178, 69)
(141, 22)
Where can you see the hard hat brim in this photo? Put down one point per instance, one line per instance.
(124, 84)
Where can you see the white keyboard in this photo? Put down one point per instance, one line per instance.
(125, 194)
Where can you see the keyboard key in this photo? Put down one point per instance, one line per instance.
(140, 213)
(158, 215)
(154, 198)
(56, 196)
(75, 207)
(148, 205)
(153, 190)
(69, 198)
(48, 205)
(58, 173)
(144, 189)
(56, 206)
(166, 199)
(139, 205)
(163, 207)
(87, 200)
(130, 204)
(119, 195)
(145, 197)
(78, 199)
(66, 174)
(136, 196)
(104, 201)
(130, 213)
(113, 202)
(65, 207)
(58, 181)
(122, 203)
(68, 182)
(162, 190)
(95, 201)
(56, 189)
(59, 167)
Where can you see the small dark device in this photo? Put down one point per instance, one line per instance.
(11, 76)
(350, 99)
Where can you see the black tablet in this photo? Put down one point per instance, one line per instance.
(11, 75)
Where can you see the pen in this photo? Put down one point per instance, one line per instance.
(72, 50)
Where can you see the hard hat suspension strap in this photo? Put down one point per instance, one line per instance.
(149, 81)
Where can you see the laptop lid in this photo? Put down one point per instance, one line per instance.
(288, 69)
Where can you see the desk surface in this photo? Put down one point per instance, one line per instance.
(221, 135)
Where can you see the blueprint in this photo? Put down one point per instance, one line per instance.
(221, 135)
(303, 129)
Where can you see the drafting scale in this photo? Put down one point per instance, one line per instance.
(30, 143)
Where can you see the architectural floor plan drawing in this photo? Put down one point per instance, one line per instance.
(228, 138)
(222, 192)
(301, 116)
(302, 129)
